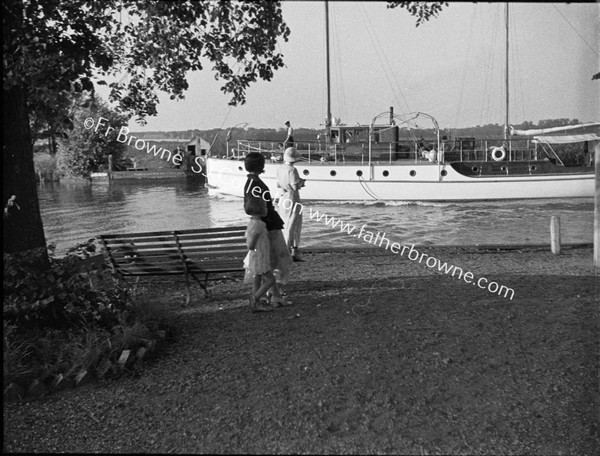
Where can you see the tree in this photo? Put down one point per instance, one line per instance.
(423, 11)
(51, 119)
(50, 46)
(86, 146)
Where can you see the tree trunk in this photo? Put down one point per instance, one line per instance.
(22, 222)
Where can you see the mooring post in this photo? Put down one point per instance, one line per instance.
(110, 165)
(555, 234)
(597, 208)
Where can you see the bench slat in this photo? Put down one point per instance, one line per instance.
(149, 255)
(193, 268)
(217, 231)
(170, 241)
(147, 261)
(212, 237)
(226, 243)
(131, 249)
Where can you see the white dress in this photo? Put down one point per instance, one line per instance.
(289, 206)
(257, 261)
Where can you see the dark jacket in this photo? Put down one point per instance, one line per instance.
(272, 219)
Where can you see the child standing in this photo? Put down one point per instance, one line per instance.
(258, 260)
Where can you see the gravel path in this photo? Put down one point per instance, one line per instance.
(378, 354)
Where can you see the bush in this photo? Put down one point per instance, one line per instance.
(71, 318)
(63, 296)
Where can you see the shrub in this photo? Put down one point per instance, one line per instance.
(63, 296)
(70, 318)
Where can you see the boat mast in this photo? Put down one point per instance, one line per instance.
(506, 77)
(328, 120)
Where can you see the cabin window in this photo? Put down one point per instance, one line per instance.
(202, 152)
(413, 173)
(306, 172)
(475, 169)
(386, 173)
(533, 167)
(333, 173)
(240, 168)
(444, 173)
(359, 135)
(359, 173)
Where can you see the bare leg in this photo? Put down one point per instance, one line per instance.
(268, 283)
(259, 289)
(256, 284)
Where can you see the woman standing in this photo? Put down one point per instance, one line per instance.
(289, 206)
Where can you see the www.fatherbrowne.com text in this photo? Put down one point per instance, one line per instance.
(139, 143)
(413, 254)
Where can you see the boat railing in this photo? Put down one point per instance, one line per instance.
(402, 150)
(490, 150)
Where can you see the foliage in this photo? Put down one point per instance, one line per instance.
(53, 47)
(45, 167)
(70, 319)
(62, 297)
(84, 150)
(423, 11)
(50, 119)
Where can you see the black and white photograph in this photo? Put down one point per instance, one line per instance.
(301, 227)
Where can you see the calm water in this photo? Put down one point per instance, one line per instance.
(74, 212)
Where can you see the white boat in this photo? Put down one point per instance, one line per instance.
(400, 160)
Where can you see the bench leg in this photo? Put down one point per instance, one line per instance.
(204, 285)
(187, 296)
(137, 281)
(187, 290)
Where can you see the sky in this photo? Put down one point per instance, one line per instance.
(451, 67)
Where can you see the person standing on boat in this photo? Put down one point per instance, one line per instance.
(289, 206)
(289, 139)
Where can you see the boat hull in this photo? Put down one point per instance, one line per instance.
(410, 181)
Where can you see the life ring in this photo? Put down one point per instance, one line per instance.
(498, 154)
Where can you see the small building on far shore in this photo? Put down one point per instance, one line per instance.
(158, 157)
(198, 146)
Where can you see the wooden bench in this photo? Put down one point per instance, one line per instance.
(188, 253)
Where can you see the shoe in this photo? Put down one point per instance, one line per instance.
(280, 302)
(258, 306)
(262, 308)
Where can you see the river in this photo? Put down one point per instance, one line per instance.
(75, 212)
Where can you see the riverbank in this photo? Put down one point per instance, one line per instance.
(377, 354)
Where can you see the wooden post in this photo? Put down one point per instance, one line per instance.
(597, 208)
(110, 165)
(555, 234)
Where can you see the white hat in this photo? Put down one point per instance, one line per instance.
(291, 155)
